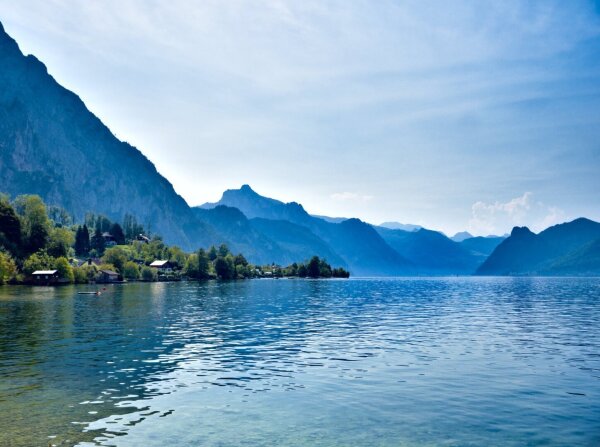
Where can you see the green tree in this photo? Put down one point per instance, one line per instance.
(203, 265)
(35, 224)
(212, 253)
(224, 267)
(60, 241)
(240, 260)
(313, 267)
(10, 227)
(97, 242)
(131, 270)
(59, 216)
(8, 268)
(80, 275)
(324, 269)
(65, 271)
(82, 241)
(302, 272)
(38, 261)
(223, 250)
(115, 256)
(117, 233)
(149, 274)
(176, 256)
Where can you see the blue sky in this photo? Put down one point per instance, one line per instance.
(454, 115)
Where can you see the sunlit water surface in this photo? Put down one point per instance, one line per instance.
(374, 362)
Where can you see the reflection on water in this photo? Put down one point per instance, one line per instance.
(459, 361)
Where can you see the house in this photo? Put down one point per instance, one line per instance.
(108, 276)
(109, 240)
(89, 262)
(45, 276)
(142, 238)
(162, 266)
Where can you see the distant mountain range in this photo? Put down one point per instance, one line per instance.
(53, 146)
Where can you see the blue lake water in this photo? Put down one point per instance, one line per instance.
(360, 362)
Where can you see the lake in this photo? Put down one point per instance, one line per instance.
(360, 362)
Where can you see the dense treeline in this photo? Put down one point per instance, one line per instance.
(35, 237)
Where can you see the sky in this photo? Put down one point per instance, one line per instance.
(453, 115)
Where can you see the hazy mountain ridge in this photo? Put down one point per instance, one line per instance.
(568, 248)
(431, 252)
(353, 241)
(53, 146)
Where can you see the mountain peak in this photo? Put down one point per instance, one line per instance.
(520, 231)
(246, 188)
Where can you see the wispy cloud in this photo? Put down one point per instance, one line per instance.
(500, 217)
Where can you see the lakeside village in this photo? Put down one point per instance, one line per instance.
(43, 245)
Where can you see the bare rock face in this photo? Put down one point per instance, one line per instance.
(53, 146)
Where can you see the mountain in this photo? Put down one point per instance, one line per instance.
(431, 252)
(567, 249)
(400, 226)
(53, 146)
(482, 245)
(355, 242)
(241, 237)
(297, 242)
(461, 236)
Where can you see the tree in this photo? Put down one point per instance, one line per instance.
(176, 256)
(312, 269)
(8, 268)
(82, 241)
(212, 253)
(115, 256)
(223, 250)
(97, 242)
(131, 228)
(35, 224)
(149, 274)
(38, 261)
(240, 260)
(117, 233)
(224, 267)
(131, 270)
(302, 272)
(65, 271)
(203, 264)
(60, 241)
(59, 216)
(10, 227)
(324, 269)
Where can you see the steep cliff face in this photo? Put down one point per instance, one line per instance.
(53, 146)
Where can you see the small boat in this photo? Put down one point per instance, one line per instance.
(97, 292)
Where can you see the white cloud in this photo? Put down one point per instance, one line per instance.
(351, 196)
(499, 218)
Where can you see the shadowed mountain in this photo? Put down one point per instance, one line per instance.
(299, 242)
(567, 249)
(431, 252)
(356, 243)
(482, 246)
(241, 237)
(53, 146)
